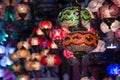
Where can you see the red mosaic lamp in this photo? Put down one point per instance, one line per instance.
(51, 60)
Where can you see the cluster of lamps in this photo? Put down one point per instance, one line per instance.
(75, 34)
(83, 36)
(19, 11)
(34, 53)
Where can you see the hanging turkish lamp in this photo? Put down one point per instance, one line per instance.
(22, 12)
(109, 24)
(67, 54)
(72, 16)
(45, 26)
(51, 60)
(53, 50)
(23, 53)
(80, 40)
(58, 35)
(108, 11)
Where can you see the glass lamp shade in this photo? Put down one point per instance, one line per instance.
(32, 65)
(35, 41)
(94, 5)
(14, 57)
(52, 45)
(22, 12)
(85, 15)
(23, 53)
(24, 44)
(38, 31)
(51, 60)
(104, 27)
(115, 25)
(108, 11)
(109, 24)
(46, 24)
(57, 60)
(69, 16)
(23, 77)
(79, 41)
(58, 34)
(22, 8)
(68, 54)
(55, 34)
